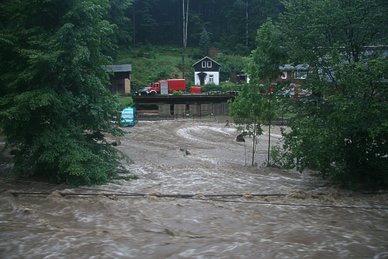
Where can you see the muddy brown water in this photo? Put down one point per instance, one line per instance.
(307, 219)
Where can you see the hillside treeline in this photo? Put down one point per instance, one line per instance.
(227, 24)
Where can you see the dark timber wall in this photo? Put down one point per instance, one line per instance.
(178, 106)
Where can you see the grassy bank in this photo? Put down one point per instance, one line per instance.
(153, 63)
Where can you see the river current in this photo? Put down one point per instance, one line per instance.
(196, 197)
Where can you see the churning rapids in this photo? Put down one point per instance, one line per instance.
(195, 198)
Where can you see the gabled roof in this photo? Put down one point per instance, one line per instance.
(302, 67)
(286, 67)
(290, 67)
(206, 57)
(118, 68)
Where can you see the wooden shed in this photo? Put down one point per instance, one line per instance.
(120, 78)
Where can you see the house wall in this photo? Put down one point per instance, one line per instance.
(216, 77)
(120, 83)
(293, 84)
(117, 86)
(127, 86)
(120, 86)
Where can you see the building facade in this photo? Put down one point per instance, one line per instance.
(120, 78)
(206, 71)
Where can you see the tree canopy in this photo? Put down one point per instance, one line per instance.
(54, 102)
(269, 55)
(231, 24)
(340, 128)
(248, 112)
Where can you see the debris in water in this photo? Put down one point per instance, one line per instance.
(169, 232)
(152, 196)
(112, 197)
(27, 211)
(248, 195)
(185, 151)
(56, 193)
(298, 194)
(240, 138)
(116, 142)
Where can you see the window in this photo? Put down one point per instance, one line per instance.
(206, 64)
(300, 75)
(284, 75)
(211, 79)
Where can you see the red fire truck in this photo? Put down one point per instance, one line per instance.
(165, 86)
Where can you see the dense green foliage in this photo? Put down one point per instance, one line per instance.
(125, 101)
(223, 87)
(256, 103)
(231, 25)
(231, 66)
(54, 103)
(118, 15)
(250, 110)
(270, 54)
(341, 128)
(204, 41)
(152, 63)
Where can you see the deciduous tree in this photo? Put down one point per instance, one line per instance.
(247, 111)
(54, 101)
(341, 128)
(264, 68)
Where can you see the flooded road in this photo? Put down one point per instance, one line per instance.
(195, 198)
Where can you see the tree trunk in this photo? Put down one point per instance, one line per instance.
(185, 16)
(253, 144)
(269, 129)
(269, 142)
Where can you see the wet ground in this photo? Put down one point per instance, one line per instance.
(196, 197)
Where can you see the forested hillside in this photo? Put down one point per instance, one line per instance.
(149, 34)
(228, 24)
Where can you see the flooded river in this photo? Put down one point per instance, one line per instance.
(195, 198)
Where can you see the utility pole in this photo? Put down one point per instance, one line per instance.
(134, 23)
(247, 23)
(185, 20)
